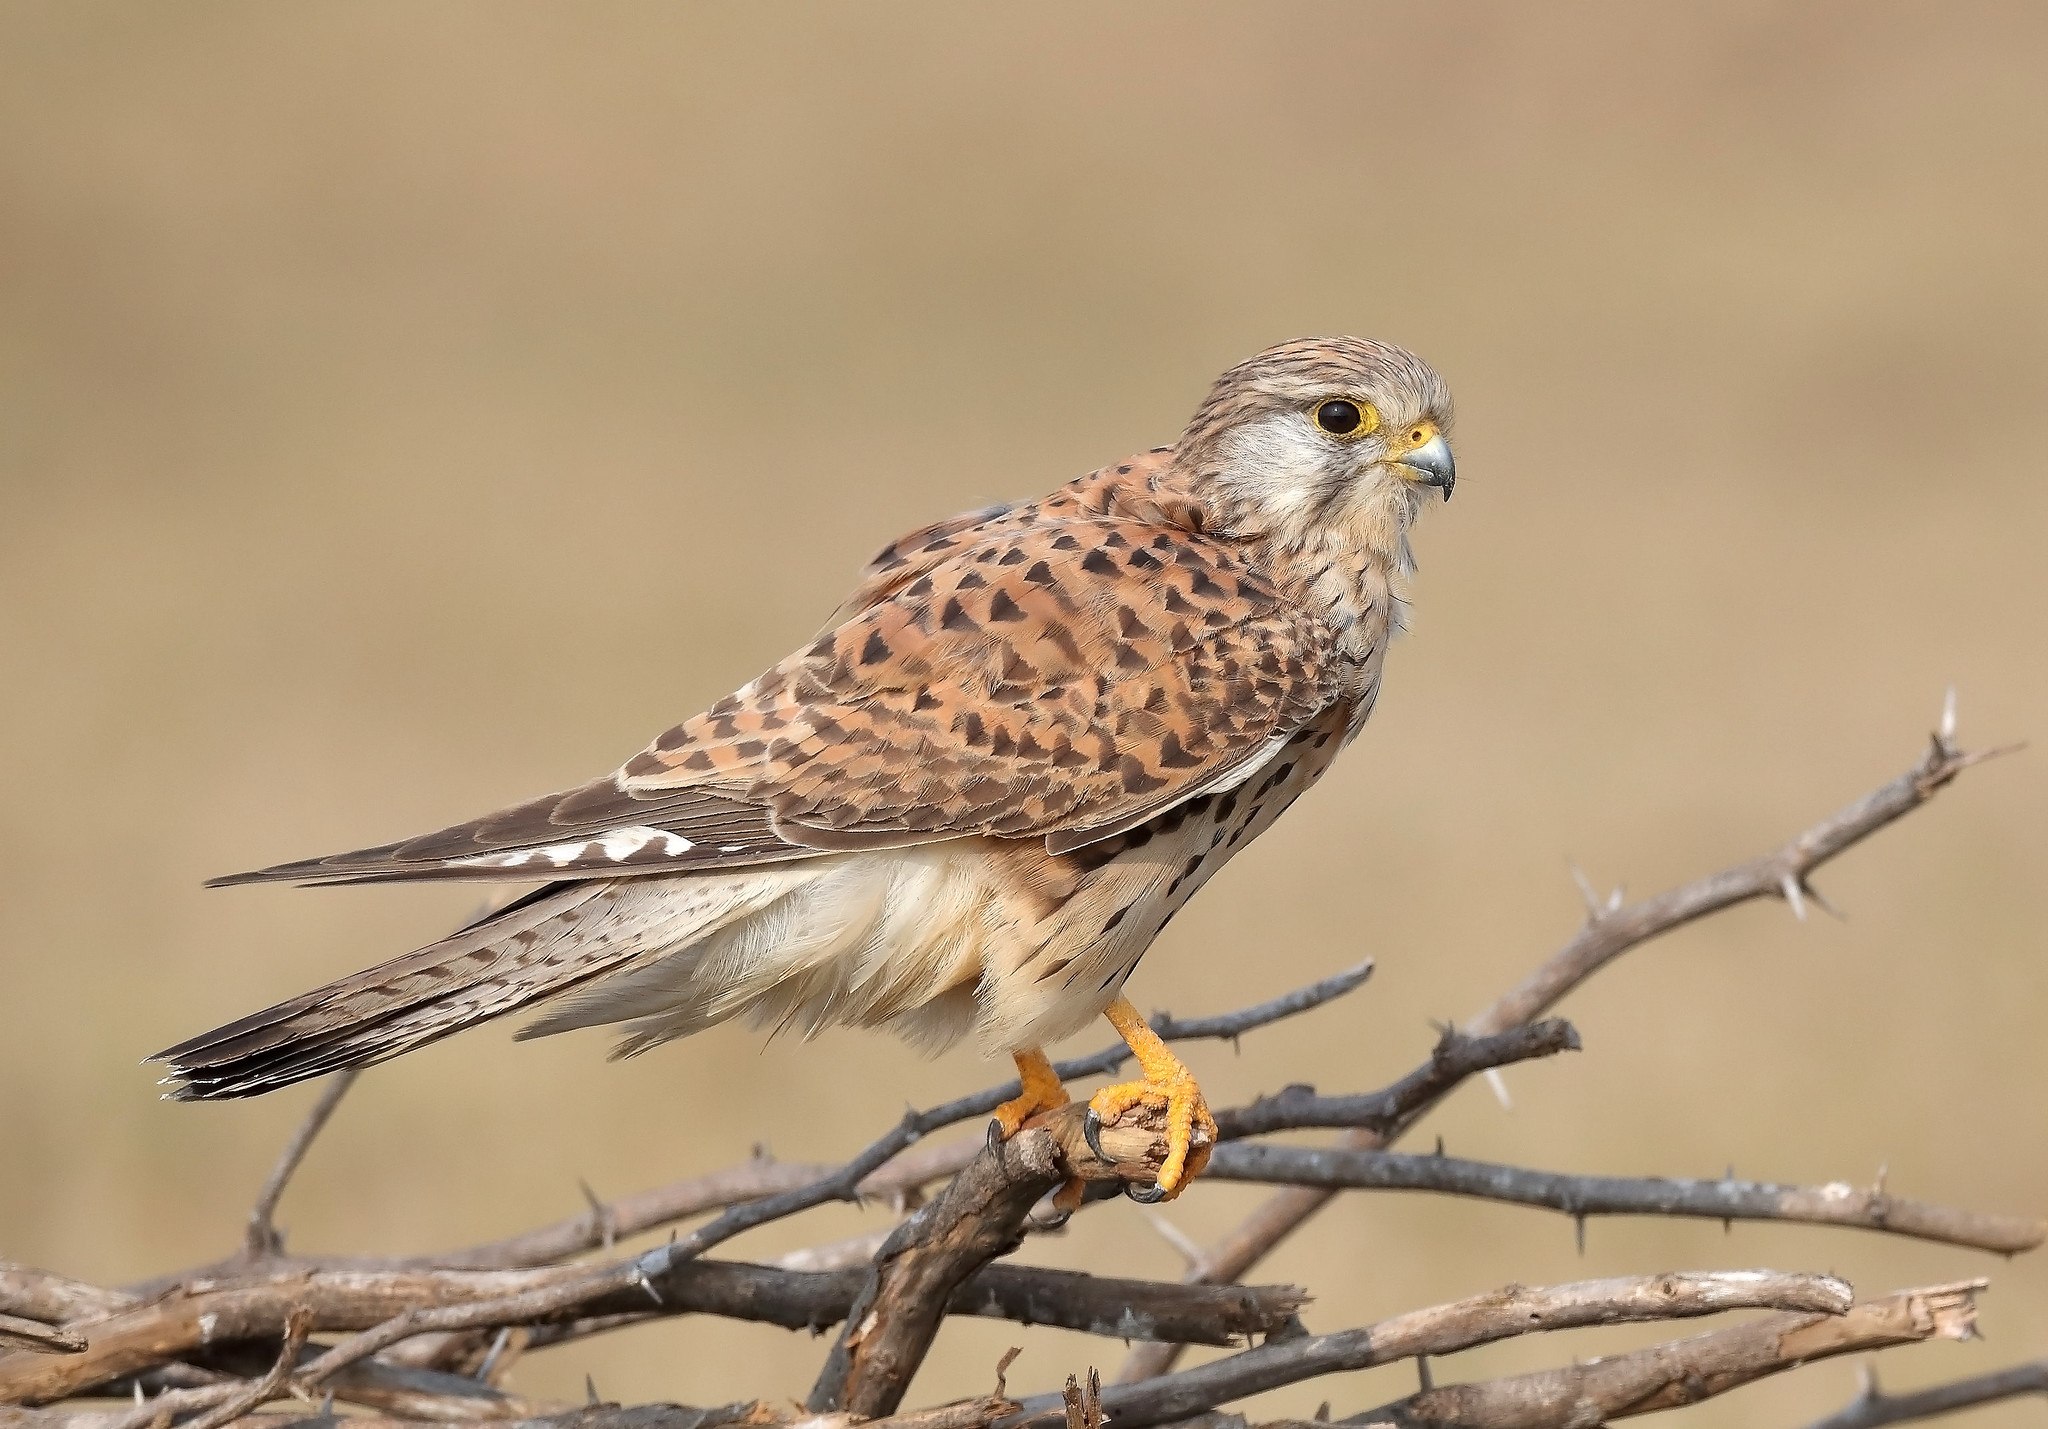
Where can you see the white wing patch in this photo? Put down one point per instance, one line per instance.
(622, 844)
(618, 845)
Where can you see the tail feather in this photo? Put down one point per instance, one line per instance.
(646, 935)
(532, 950)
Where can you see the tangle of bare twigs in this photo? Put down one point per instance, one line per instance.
(429, 1339)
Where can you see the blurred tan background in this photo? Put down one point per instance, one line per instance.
(407, 409)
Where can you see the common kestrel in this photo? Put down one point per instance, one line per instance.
(1022, 744)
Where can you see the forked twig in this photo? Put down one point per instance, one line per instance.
(261, 1237)
(891, 1324)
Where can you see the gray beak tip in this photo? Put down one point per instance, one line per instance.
(1433, 464)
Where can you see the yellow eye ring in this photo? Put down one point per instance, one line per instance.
(1342, 417)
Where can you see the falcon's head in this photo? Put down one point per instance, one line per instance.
(1321, 438)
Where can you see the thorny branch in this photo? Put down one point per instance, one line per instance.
(1686, 1371)
(1611, 929)
(255, 1307)
(200, 1341)
(1444, 1329)
(1835, 1204)
(1874, 1407)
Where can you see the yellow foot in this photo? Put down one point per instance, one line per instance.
(1167, 1084)
(1042, 1091)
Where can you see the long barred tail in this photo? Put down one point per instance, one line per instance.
(542, 945)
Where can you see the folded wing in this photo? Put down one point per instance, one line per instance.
(1061, 680)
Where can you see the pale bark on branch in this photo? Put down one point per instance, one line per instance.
(1682, 1372)
(1444, 1329)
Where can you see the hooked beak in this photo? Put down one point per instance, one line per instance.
(1432, 464)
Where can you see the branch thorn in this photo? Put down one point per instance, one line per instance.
(1788, 884)
(490, 1362)
(1500, 1088)
(1586, 893)
(600, 1214)
(1815, 897)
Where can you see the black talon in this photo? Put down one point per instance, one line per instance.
(1150, 1195)
(1058, 1221)
(1091, 1132)
(995, 1132)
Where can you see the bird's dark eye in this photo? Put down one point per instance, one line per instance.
(1340, 418)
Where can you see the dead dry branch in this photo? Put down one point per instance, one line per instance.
(428, 1339)
(1873, 1407)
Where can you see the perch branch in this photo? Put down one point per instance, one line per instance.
(892, 1323)
(1607, 934)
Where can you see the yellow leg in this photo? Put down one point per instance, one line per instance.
(1167, 1083)
(1043, 1091)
